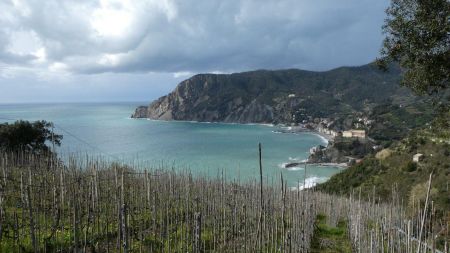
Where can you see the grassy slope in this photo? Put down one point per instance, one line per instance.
(393, 169)
(330, 239)
(391, 173)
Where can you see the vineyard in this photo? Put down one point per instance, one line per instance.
(91, 205)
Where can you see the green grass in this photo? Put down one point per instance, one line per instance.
(330, 239)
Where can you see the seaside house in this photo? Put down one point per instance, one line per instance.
(354, 134)
(417, 157)
(347, 134)
(334, 133)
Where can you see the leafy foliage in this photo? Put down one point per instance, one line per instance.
(393, 122)
(28, 136)
(418, 37)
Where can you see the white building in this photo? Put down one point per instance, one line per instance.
(354, 134)
(417, 157)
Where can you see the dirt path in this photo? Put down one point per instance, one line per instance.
(330, 239)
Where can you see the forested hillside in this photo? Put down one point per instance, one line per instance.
(279, 96)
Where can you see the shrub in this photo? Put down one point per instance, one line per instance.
(411, 166)
(27, 136)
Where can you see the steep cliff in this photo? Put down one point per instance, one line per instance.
(281, 96)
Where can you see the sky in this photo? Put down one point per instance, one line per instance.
(138, 50)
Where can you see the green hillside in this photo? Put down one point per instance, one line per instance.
(391, 172)
(280, 96)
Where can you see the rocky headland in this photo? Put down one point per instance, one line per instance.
(282, 96)
(326, 102)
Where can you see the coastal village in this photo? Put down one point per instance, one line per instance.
(345, 146)
(347, 135)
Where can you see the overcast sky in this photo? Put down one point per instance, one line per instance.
(138, 50)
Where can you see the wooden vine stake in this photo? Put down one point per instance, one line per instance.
(261, 214)
(424, 213)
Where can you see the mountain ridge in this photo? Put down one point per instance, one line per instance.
(277, 96)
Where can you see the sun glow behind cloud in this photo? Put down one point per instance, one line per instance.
(176, 36)
(58, 40)
(113, 18)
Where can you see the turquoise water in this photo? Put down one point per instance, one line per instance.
(203, 148)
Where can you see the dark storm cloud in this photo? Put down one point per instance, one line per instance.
(189, 35)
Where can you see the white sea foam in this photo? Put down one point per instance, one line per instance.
(309, 182)
(325, 140)
(295, 168)
(282, 165)
(255, 124)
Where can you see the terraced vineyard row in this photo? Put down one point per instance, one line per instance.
(90, 205)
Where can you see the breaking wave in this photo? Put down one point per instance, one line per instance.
(309, 182)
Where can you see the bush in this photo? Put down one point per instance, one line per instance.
(27, 136)
(447, 152)
(411, 166)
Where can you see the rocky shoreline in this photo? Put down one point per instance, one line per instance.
(338, 151)
(296, 164)
(334, 161)
(327, 138)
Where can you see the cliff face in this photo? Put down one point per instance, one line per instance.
(205, 98)
(274, 96)
(140, 112)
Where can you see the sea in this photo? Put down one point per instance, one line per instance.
(106, 131)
